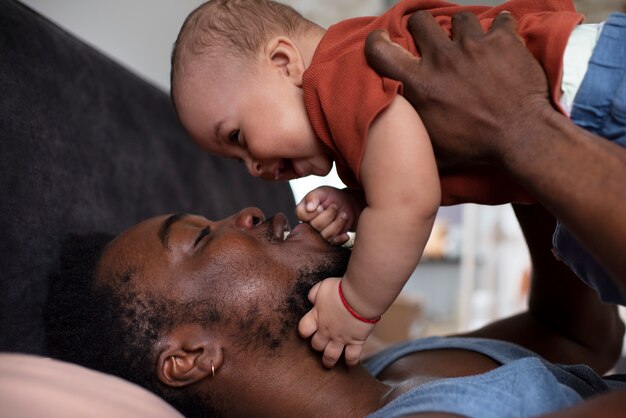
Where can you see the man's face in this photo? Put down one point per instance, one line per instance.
(241, 264)
(255, 116)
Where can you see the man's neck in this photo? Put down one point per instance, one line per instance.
(342, 391)
(295, 380)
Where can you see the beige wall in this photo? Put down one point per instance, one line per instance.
(598, 10)
(327, 12)
(140, 33)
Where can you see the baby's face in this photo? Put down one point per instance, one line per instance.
(256, 117)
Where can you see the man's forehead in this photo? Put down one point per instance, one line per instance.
(128, 246)
(140, 231)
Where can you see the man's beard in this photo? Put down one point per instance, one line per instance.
(284, 318)
(296, 303)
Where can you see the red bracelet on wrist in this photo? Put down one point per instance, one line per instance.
(353, 312)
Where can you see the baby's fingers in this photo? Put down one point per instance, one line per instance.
(313, 292)
(319, 341)
(324, 220)
(332, 352)
(310, 206)
(308, 324)
(353, 354)
(306, 215)
(335, 232)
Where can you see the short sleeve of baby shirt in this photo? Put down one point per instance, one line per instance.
(343, 96)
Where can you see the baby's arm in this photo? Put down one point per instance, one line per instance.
(402, 193)
(401, 185)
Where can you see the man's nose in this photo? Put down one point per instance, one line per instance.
(248, 218)
(254, 167)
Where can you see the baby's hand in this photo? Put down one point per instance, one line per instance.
(330, 211)
(332, 326)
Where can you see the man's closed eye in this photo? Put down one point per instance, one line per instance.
(203, 233)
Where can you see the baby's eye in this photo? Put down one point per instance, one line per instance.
(234, 137)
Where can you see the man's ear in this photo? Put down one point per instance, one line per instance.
(284, 55)
(188, 354)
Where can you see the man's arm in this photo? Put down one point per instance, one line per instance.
(608, 405)
(565, 322)
(484, 100)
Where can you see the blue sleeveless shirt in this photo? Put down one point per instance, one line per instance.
(524, 385)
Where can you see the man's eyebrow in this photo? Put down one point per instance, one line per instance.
(164, 231)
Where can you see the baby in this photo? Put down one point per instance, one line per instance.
(254, 81)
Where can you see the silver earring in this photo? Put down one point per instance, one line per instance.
(212, 369)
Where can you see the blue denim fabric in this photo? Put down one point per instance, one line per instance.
(599, 107)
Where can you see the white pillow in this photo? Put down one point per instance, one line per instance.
(32, 386)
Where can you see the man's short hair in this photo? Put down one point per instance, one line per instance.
(110, 328)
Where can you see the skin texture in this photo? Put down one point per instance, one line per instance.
(243, 267)
(573, 173)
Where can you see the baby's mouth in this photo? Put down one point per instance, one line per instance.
(279, 169)
(283, 166)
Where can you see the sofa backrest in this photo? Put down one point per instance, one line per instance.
(87, 146)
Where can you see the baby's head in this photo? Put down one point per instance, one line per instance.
(236, 79)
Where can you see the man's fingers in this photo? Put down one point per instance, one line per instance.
(387, 58)
(507, 23)
(504, 21)
(466, 25)
(427, 33)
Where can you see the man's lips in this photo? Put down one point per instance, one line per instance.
(281, 231)
(279, 225)
(298, 229)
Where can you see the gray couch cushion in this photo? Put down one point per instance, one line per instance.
(85, 145)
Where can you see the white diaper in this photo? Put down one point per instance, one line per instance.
(575, 58)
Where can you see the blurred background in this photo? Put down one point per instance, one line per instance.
(476, 267)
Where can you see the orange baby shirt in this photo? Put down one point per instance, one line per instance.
(343, 95)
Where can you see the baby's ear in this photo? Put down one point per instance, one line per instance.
(285, 56)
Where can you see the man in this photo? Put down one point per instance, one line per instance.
(205, 314)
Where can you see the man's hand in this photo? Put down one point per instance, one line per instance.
(472, 91)
(333, 328)
(330, 211)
